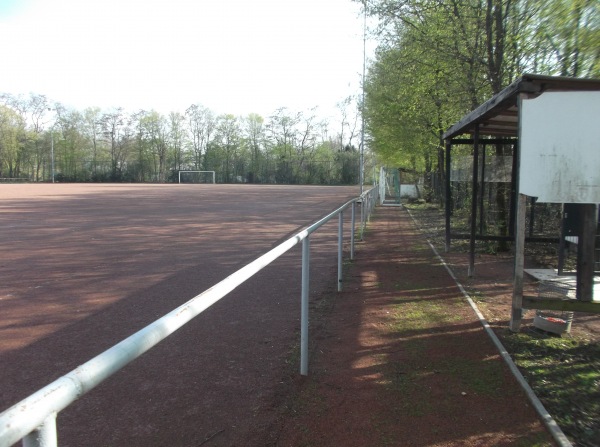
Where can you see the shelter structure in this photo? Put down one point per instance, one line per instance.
(551, 123)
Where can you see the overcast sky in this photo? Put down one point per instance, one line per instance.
(232, 56)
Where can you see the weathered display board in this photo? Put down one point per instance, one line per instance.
(560, 151)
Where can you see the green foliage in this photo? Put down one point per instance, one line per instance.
(12, 134)
(567, 34)
(565, 375)
(438, 60)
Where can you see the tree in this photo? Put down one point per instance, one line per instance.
(350, 120)
(69, 147)
(201, 122)
(227, 142)
(12, 131)
(567, 37)
(115, 130)
(282, 134)
(308, 131)
(154, 134)
(255, 140)
(33, 151)
(93, 129)
(176, 141)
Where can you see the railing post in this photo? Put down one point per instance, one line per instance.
(362, 216)
(304, 306)
(340, 249)
(353, 225)
(44, 435)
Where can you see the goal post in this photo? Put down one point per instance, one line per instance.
(197, 177)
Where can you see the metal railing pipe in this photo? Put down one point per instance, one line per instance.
(340, 260)
(24, 417)
(353, 229)
(304, 306)
(44, 435)
(362, 216)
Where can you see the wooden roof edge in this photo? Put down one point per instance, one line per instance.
(562, 82)
(527, 83)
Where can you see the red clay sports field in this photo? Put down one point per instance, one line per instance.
(83, 266)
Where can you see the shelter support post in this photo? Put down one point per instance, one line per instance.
(562, 243)
(474, 202)
(448, 191)
(586, 251)
(517, 299)
(482, 193)
(513, 189)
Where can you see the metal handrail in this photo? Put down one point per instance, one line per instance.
(34, 418)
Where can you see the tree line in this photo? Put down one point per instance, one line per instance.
(41, 140)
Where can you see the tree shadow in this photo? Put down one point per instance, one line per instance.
(85, 270)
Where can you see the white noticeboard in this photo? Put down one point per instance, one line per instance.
(560, 147)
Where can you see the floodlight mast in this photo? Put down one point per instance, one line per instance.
(361, 174)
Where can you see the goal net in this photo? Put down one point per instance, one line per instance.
(196, 176)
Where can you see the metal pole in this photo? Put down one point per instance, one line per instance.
(353, 224)
(340, 249)
(361, 174)
(365, 207)
(362, 216)
(44, 435)
(304, 307)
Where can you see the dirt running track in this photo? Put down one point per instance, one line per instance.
(403, 361)
(84, 266)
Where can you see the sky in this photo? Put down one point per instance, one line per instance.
(232, 56)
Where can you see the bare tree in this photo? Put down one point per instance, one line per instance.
(255, 137)
(115, 130)
(93, 129)
(202, 123)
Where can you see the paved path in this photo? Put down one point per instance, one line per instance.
(402, 360)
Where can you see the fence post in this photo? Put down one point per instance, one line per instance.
(44, 435)
(353, 225)
(304, 306)
(340, 249)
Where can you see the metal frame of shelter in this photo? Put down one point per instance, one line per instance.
(539, 141)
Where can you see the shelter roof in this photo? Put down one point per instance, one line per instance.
(499, 116)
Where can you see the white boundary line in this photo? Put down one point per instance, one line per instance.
(549, 422)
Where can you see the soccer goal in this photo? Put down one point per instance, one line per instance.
(196, 176)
